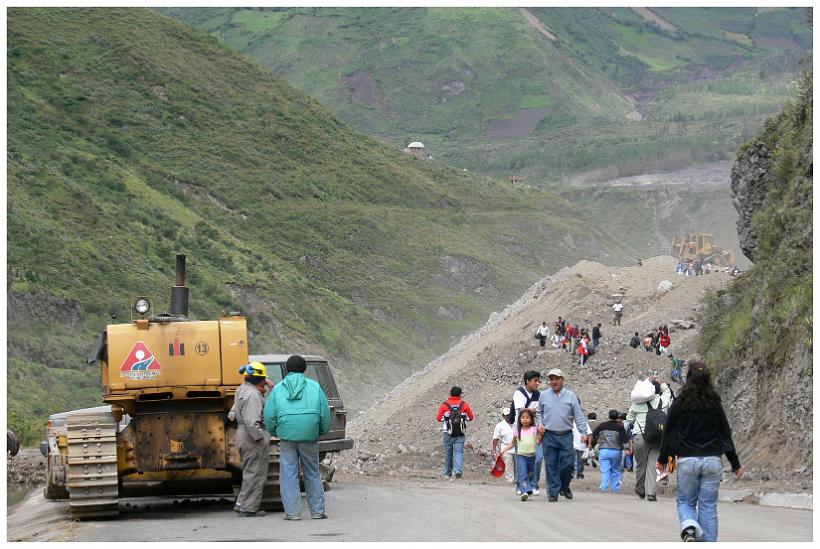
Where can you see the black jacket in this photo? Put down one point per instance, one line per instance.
(696, 434)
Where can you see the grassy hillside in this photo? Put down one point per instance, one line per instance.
(132, 137)
(541, 92)
(782, 249)
(757, 334)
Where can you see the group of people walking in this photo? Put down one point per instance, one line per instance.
(535, 429)
(689, 267)
(538, 427)
(656, 341)
(576, 340)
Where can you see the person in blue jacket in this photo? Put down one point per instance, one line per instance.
(297, 413)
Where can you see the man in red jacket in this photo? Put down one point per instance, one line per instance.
(454, 413)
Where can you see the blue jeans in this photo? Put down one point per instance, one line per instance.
(536, 471)
(524, 465)
(559, 455)
(453, 452)
(698, 485)
(579, 462)
(610, 460)
(291, 456)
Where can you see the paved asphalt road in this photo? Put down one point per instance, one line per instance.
(417, 511)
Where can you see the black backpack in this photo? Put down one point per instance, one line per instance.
(456, 424)
(535, 396)
(655, 420)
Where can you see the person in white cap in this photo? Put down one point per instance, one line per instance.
(558, 409)
(502, 437)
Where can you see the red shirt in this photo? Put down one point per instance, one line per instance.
(453, 401)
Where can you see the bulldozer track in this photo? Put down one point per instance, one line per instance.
(93, 484)
(271, 498)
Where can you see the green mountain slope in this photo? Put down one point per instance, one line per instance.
(757, 334)
(540, 92)
(132, 137)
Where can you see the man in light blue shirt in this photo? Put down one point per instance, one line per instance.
(558, 409)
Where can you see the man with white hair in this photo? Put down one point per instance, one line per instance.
(558, 409)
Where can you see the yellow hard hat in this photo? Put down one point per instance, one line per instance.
(255, 368)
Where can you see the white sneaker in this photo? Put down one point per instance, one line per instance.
(518, 492)
(536, 492)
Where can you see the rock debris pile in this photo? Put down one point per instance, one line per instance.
(398, 435)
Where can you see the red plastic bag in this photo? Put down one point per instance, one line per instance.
(499, 467)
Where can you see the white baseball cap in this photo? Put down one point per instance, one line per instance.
(555, 372)
(505, 411)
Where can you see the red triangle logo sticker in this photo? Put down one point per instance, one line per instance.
(140, 359)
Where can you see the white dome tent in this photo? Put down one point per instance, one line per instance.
(416, 148)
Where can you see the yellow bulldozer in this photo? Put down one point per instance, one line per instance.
(700, 246)
(168, 384)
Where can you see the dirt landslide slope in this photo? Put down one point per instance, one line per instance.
(399, 436)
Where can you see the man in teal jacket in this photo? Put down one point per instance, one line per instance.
(297, 412)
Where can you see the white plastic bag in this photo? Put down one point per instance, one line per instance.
(644, 391)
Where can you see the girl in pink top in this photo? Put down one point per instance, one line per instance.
(525, 438)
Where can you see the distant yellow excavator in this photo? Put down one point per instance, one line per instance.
(696, 246)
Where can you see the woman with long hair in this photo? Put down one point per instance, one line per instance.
(698, 433)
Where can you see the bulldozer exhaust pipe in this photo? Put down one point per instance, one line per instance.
(179, 293)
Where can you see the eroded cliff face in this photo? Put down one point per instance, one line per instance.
(757, 333)
(751, 180)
